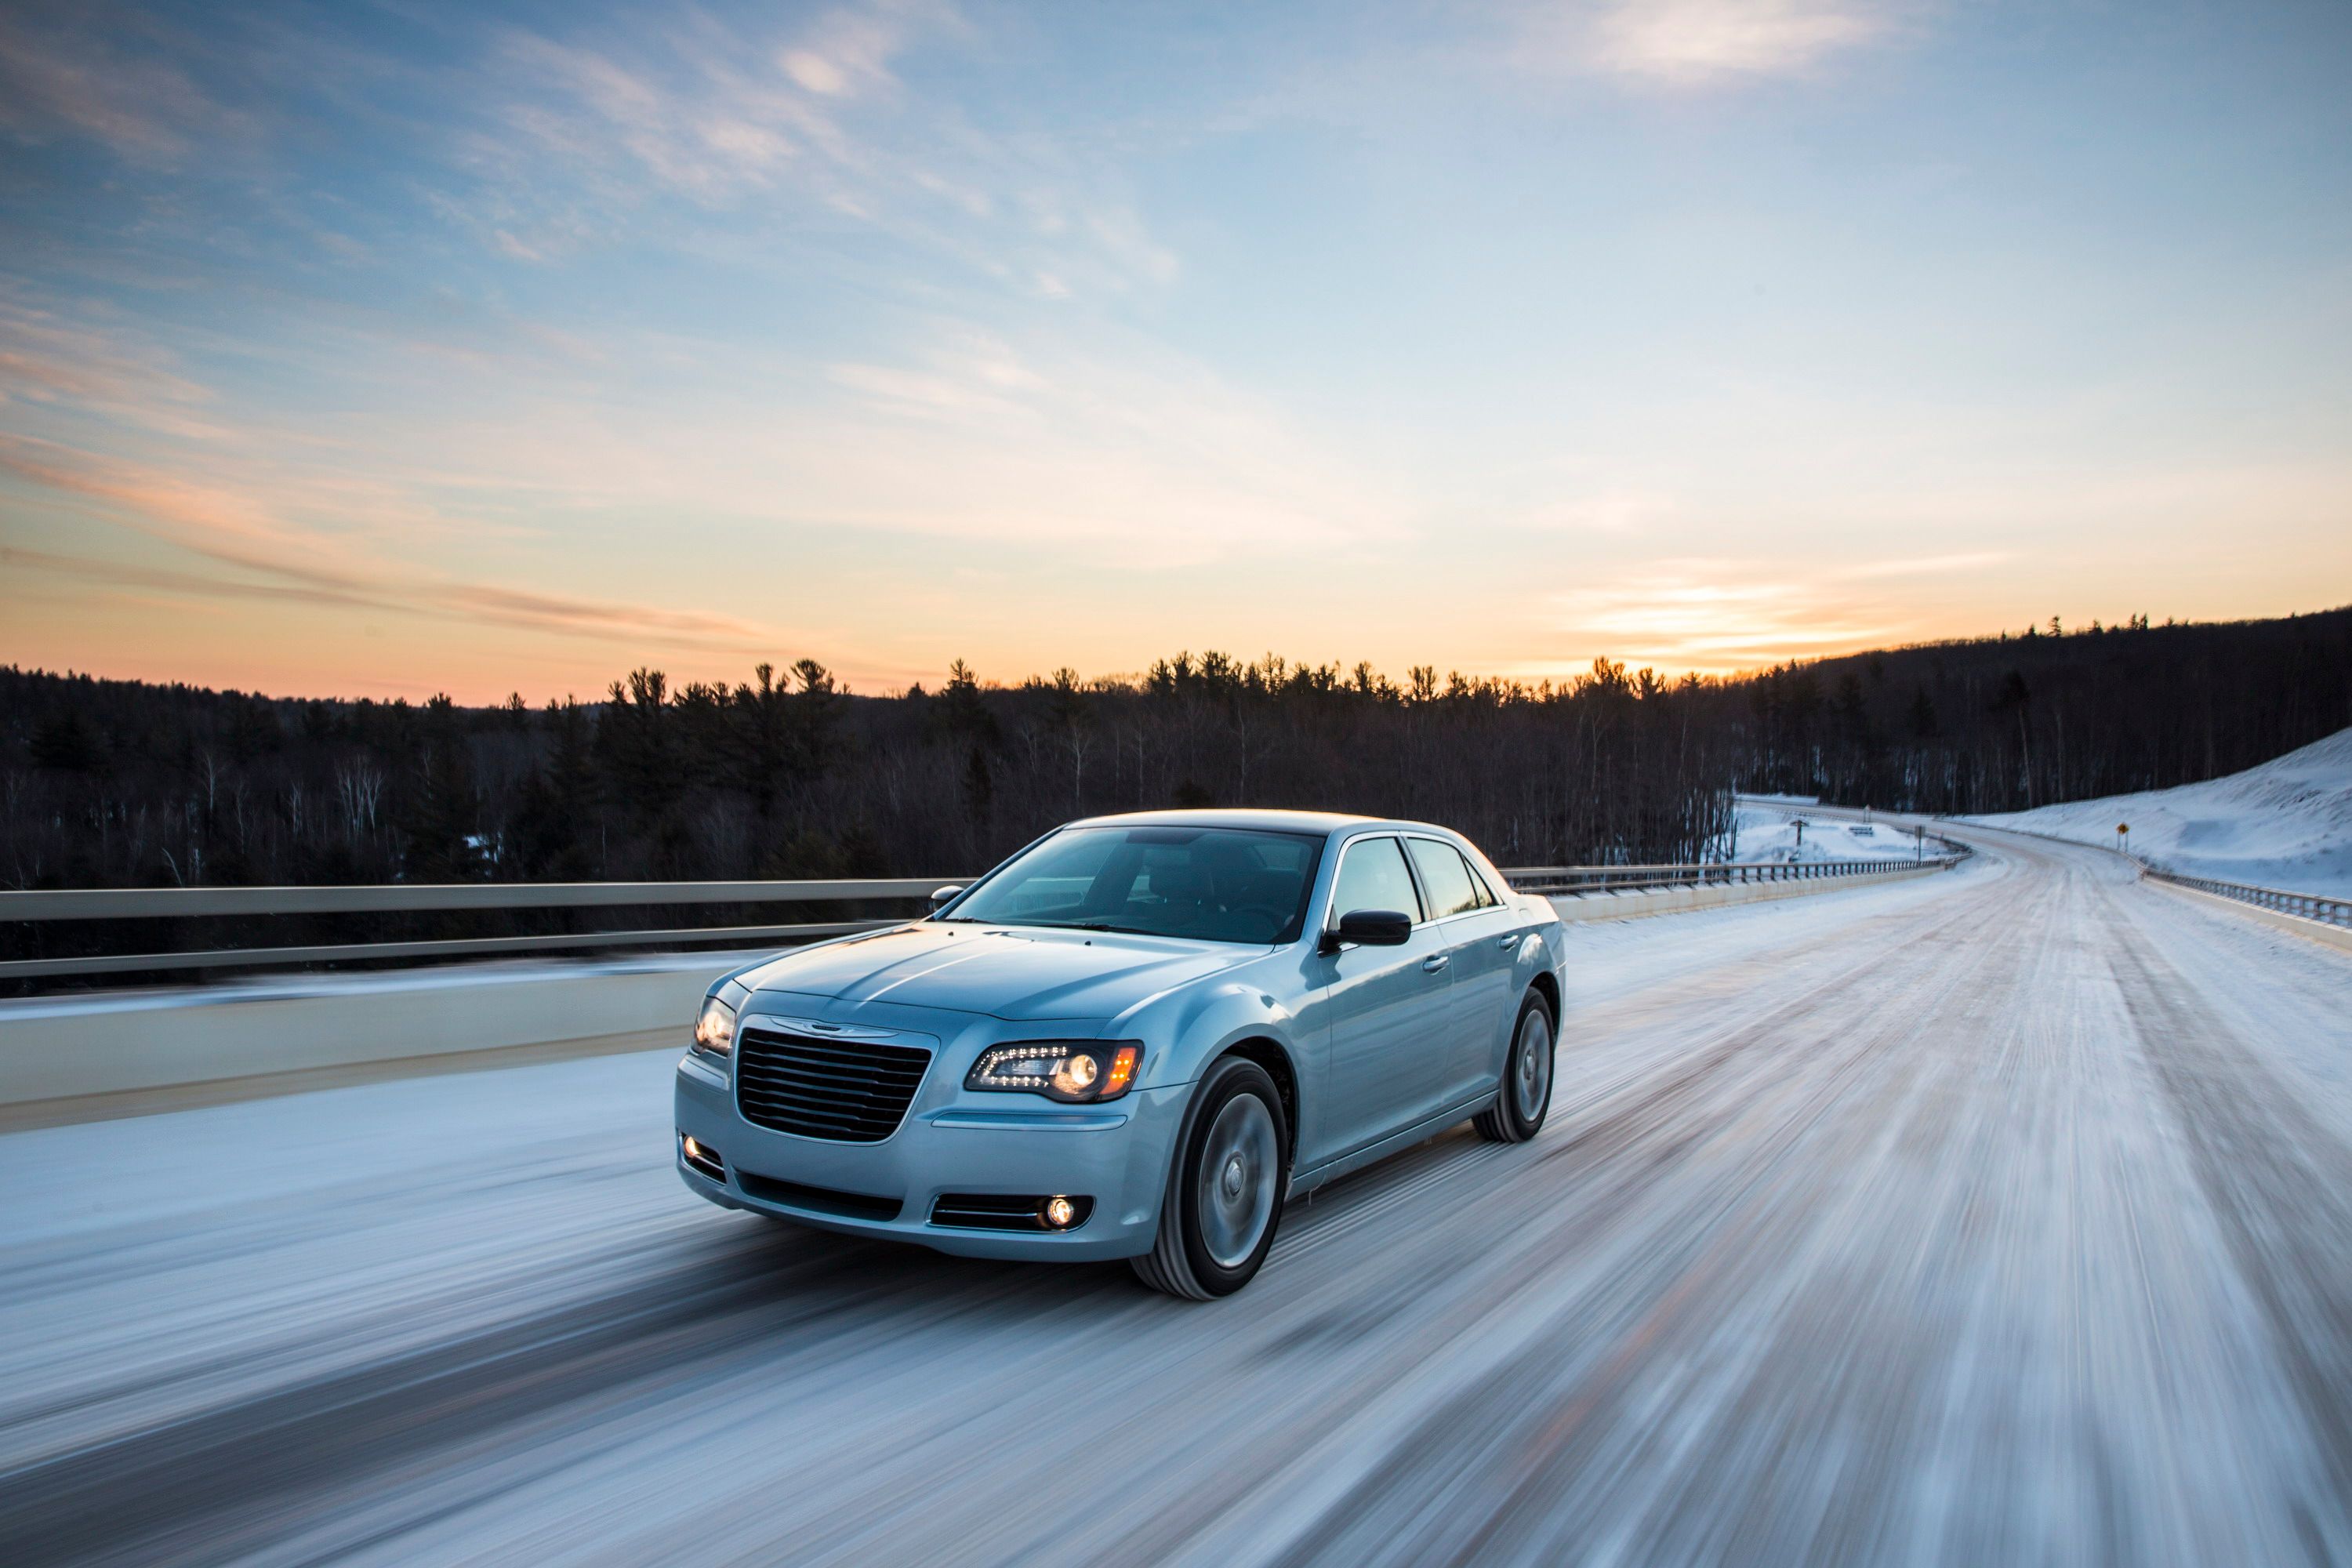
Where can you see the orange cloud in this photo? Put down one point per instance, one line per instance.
(230, 528)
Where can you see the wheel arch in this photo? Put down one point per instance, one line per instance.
(1546, 985)
(1270, 1054)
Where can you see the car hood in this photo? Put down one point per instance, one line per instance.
(1016, 973)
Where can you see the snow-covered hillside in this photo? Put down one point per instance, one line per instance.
(2286, 824)
(1766, 833)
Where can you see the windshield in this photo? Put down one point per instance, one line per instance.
(1216, 884)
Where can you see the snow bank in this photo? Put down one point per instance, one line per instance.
(1766, 833)
(2286, 824)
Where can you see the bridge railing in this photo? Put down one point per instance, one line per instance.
(45, 906)
(2310, 906)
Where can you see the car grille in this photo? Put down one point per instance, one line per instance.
(852, 1091)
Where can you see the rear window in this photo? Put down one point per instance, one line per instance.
(1451, 890)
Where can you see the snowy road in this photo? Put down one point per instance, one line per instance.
(2000, 1217)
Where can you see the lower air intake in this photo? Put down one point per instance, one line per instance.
(819, 1200)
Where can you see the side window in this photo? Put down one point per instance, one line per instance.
(1372, 876)
(1479, 885)
(1451, 890)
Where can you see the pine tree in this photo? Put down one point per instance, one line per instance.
(442, 830)
(1922, 715)
(66, 743)
(634, 745)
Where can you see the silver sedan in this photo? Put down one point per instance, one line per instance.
(1135, 1039)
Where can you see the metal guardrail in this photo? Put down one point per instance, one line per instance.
(1572, 879)
(165, 903)
(143, 903)
(2310, 906)
(454, 947)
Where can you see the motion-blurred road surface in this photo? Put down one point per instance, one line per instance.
(2002, 1216)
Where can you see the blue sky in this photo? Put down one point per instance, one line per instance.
(394, 349)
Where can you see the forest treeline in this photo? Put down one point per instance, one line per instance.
(786, 775)
(113, 783)
(2057, 713)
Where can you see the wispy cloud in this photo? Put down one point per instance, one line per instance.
(784, 125)
(1624, 510)
(281, 562)
(124, 574)
(49, 361)
(88, 81)
(1138, 457)
(1721, 616)
(974, 375)
(1918, 566)
(225, 525)
(1698, 42)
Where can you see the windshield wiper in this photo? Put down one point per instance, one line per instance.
(1105, 926)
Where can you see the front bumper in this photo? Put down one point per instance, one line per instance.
(1117, 1155)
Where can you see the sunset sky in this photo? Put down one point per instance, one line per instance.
(378, 350)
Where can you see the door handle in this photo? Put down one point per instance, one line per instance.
(1510, 941)
(1432, 965)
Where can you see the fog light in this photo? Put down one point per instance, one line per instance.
(703, 1158)
(1060, 1211)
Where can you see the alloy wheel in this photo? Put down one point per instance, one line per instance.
(1531, 1065)
(1240, 1167)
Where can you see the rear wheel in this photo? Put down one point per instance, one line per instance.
(1525, 1096)
(1224, 1188)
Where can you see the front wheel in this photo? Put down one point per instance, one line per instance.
(1224, 1187)
(1524, 1097)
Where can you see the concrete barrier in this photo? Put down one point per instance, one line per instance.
(90, 1058)
(2315, 931)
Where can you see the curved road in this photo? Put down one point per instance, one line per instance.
(2001, 1216)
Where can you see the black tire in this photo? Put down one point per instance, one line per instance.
(1205, 1247)
(1522, 1098)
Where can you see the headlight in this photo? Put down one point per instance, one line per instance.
(714, 1031)
(1080, 1072)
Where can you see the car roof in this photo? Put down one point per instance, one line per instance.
(1323, 822)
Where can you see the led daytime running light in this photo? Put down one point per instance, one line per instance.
(1076, 1071)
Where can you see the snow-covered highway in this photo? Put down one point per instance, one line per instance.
(2000, 1217)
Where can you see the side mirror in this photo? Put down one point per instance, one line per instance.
(1371, 928)
(941, 896)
